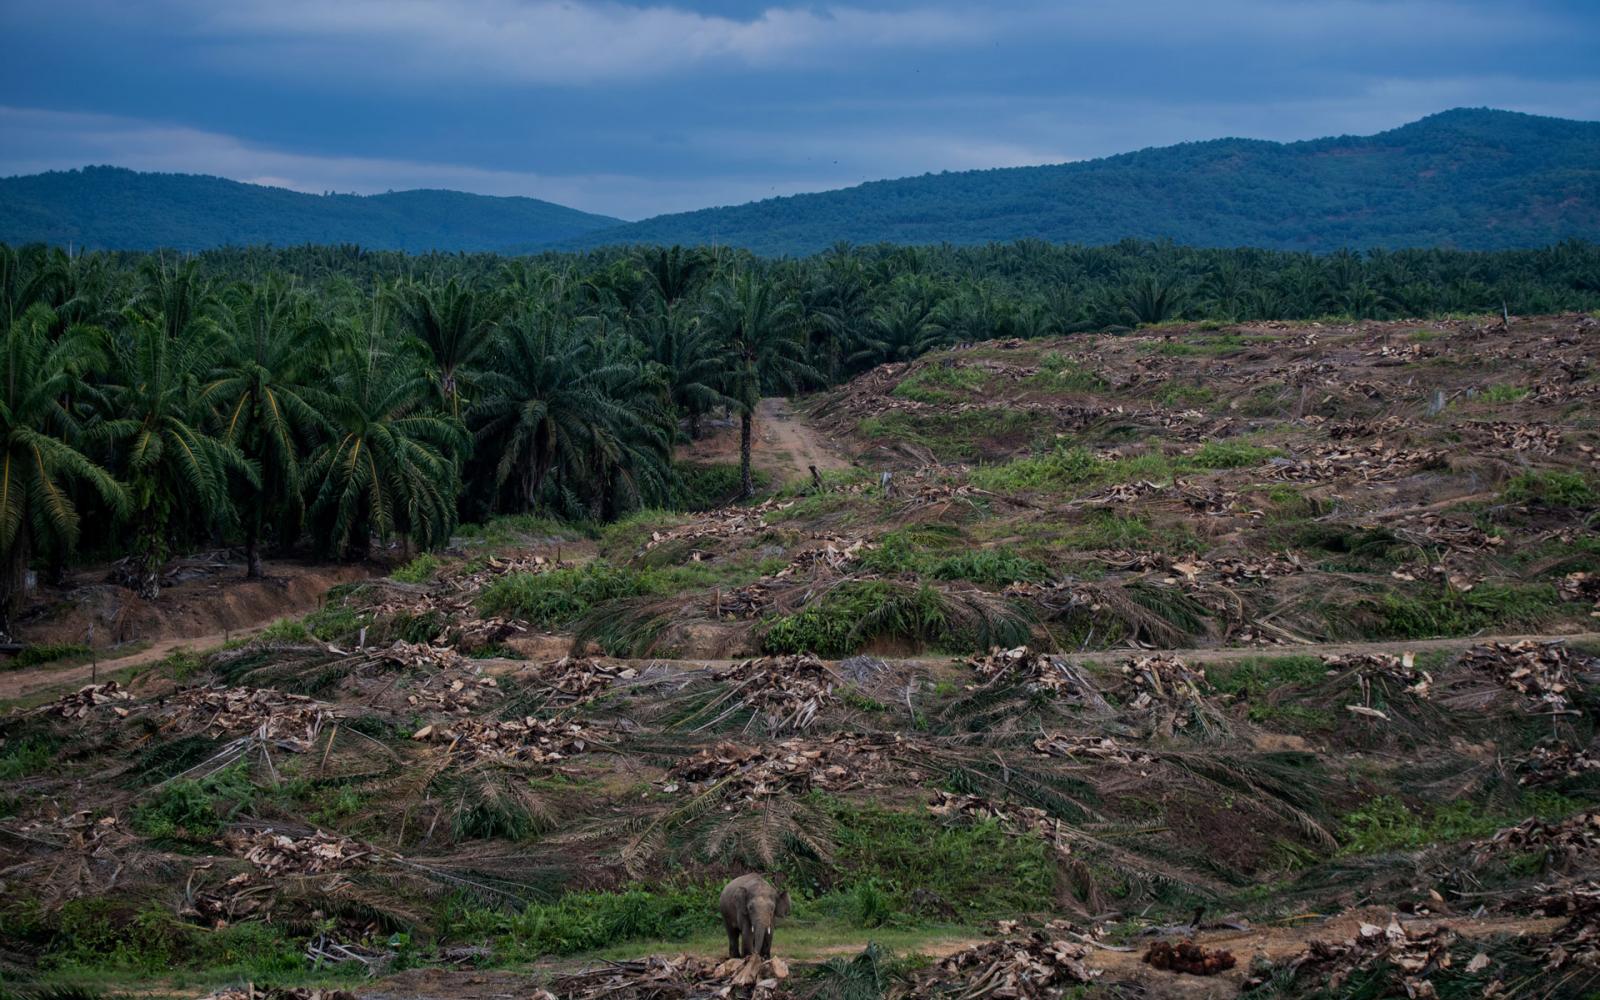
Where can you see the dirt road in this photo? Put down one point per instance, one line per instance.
(788, 446)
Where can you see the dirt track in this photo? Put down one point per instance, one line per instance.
(788, 447)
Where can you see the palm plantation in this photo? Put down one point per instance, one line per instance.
(326, 398)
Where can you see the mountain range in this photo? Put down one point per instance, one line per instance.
(1467, 178)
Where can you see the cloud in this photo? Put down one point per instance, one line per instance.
(549, 42)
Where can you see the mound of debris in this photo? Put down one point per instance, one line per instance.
(1564, 844)
(685, 977)
(1554, 761)
(84, 701)
(1186, 956)
(1384, 670)
(787, 692)
(1369, 463)
(1542, 672)
(1096, 748)
(1537, 438)
(1024, 820)
(1411, 954)
(277, 854)
(1580, 587)
(836, 763)
(1035, 966)
(526, 740)
(1576, 942)
(578, 679)
(1168, 692)
(290, 721)
(1040, 672)
(250, 991)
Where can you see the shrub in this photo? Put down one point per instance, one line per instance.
(580, 921)
(560, 597)
(707, 487)
(47, 652)
(189, 809)
(26, 757)
(1229, 455)
(1551, 489)
(419, 570)
(995, 567)
(858, 612)
(1487, 606)
(1061, 467)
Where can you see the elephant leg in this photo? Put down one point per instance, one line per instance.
(733, 942)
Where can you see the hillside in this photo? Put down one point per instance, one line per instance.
(1271, 645)
(1473, 179)
(117, 209)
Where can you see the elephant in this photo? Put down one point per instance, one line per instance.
(749, 906)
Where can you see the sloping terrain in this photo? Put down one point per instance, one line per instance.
(1468, 178)
(1042, 707)
(109, 208)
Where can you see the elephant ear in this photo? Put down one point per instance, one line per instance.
(782, 909)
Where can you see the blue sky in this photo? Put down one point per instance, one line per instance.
(635, 109)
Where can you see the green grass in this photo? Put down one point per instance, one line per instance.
(285, 630)
(1551, 489)
(1058, 373)
(881, 857)
(1503, 393)
(697, 487)
(91, 938)
(1253, 677)
(521, 529)
(334, 621)
(1487, 606)
(1066, 467)
(938, 384)
(918, 550)
(27, 757)
(1386, 823)
(965, 434)
(858, 612)
(189, 809)
(419, 570)
(558, 598)
(584, 921)
(47, 652)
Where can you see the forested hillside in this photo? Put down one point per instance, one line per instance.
(1473, 179)
(112, 208)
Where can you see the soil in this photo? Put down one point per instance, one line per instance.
(783, 447)
(199, 614)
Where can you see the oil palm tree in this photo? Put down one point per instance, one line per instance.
(267, 400)
(389, 466)
(761, 332)
(689, 360)
(538, 406)
(156, 424)
(454, 323)
(38, 445)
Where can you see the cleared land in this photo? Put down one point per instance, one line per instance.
(1291, 625)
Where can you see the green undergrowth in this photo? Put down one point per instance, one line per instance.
(560, 597)
(419, 570)
(859, 612)
(936, 383)
(1401, 615)
(1386, 823)
(583, 921)
(962, 434)
(521, 529)
(1066, 467)
(46, 652)
(1551, 489)
(91, 938)
(918, 551)
(707, 486)
(195, 809)
(27, 757)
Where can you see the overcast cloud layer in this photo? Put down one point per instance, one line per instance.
(635, 109)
